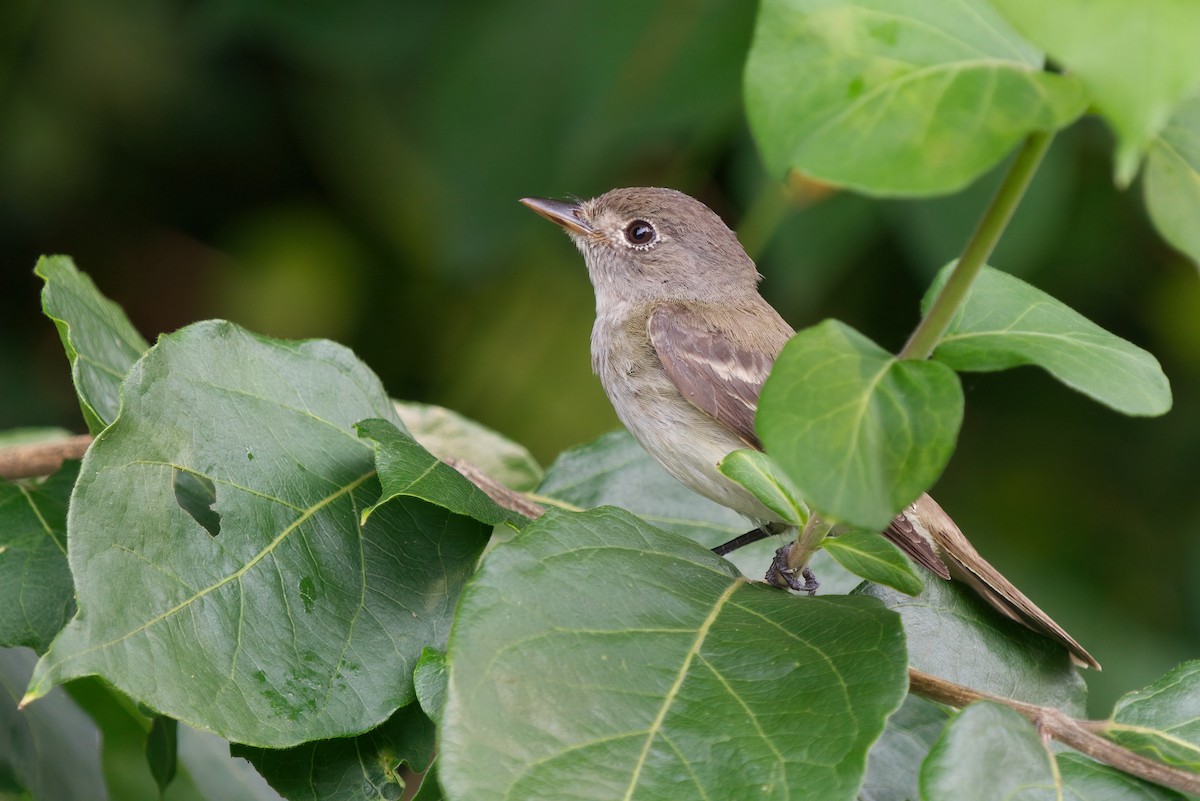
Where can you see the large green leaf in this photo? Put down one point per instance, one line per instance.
(45, 753)
(270, 632)
(100, 342)
(954, 635)
(895, 760)
(860, 432)
(1084, 779)
(1163, 720)
(1172, 183)
(989, 753)
(1005, 322)
(352, 768)
(597, 653)
(910, 97)
(1138, 60)
(36, 593)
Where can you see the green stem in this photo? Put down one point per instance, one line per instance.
(808, 541)
(954, 292)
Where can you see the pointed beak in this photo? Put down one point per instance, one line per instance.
(568, 215)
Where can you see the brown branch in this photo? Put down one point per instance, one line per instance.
(40, 458)
(1079, 734)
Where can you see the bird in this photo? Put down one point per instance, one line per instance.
(682, 343)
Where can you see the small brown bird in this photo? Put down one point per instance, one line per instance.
(683, 343)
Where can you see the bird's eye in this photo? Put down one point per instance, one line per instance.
(640, 233)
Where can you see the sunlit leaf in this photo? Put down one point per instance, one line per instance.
(755, 471)
(860, 432)
(910, 97)
(657, 673)
(1162, 721)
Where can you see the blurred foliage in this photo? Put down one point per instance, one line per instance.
(352, 171)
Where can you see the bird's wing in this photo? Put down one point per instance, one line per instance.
(709, 368)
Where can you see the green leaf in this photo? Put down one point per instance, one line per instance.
(869, 555)
(408, 470)
(266, 633)
(1085, 779)
(860, 432)
(430, 677)
(1137, 93)
(956, 636)
(447, 434)
(1163, 720)
(1005, 323)
(909, 97)
(162, 750)
(1172, 185)
(989, 752)
(36, 593)
(48, 751)
(613, 470)
(594, 651)
(349, 769)
(100, 342)
(895, 760)
(755, 471)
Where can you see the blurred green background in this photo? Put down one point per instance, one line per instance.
(351, 170)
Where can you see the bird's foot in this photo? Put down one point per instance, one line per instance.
(781, 575)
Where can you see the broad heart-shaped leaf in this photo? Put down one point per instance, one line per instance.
(352, 768)
(860, 432)
(406, 469)
(1085, 779)
(989, 753)
(446, 433)
(1172, 185)
(613, 470)
(1163, 720)
(1005, 323)
(911, 97)
(755, 471)
(296, 621)
(869, 555)
(954, 635)
(100, 342)
(1138, 93)
(36, 594)
(50, 752)
(597, 653)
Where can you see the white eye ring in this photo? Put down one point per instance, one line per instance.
(640, 234)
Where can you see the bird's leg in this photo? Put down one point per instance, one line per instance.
(781, 575)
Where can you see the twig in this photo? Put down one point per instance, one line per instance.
(40, 458)
(1070, 731)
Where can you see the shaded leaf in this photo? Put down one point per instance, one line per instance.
(657, 672)
(860, 432)
(1137, 94)
(270, 633)
(955, 635)
(1085, 779)
(100, 342)
(51, 752)
(1172, 185)
(352, 768)
(1162, 721)
(446, 433)
(989, 752)
(755, 471)
(1006, 322)
(162, 750)
(430, 678)
(36, 592)
(893, 97)
(895, 760)
(408, 470)
(868, 555)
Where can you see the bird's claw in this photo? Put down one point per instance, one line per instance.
(781, 575)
